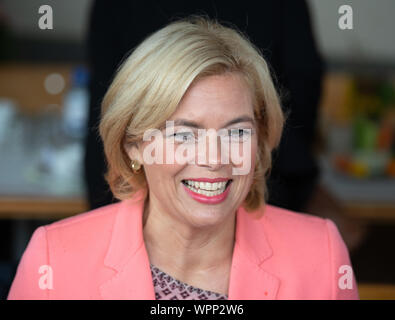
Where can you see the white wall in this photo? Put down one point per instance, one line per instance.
(70, 18)
(372, 39)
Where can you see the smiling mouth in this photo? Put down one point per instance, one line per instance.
(206, 188)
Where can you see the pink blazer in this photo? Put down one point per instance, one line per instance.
(101, 255)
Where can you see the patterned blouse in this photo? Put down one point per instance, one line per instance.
(168, 288)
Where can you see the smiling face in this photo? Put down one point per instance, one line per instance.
(180, 190)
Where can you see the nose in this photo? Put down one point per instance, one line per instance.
(209, 151)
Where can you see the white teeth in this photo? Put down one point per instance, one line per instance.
(207, 185)
(206, 188)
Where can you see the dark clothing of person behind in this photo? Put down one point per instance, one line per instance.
(280, 29)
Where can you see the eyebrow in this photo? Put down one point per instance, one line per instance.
(192, 124)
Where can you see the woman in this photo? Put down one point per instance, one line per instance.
(192, 223)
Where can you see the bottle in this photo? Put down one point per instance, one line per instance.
(75, 107)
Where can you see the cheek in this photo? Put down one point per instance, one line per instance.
(243, 157)
(251, 158)
(159, 175)
(254, 151)
(160, 168)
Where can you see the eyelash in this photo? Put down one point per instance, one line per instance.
(183, 134)
(245, 133)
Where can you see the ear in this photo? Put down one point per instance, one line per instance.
(134, 152)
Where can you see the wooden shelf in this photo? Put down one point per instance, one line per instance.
(24, 83)
(371, 291)
(40, 208)
(374, 212)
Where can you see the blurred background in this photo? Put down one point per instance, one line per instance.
(44, 116)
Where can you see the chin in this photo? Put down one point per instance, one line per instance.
(201, 218)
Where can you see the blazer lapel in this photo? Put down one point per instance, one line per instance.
(248, 277)
(127, 255)
(132, 282)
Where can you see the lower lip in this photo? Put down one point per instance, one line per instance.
(208, 200)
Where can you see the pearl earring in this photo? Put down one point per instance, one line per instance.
(136, 166)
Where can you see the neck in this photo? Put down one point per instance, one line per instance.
(185, 250)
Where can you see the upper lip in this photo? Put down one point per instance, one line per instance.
(209, 179)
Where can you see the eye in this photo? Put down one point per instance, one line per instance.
(239, 134)
(180, 137)
(236, 132)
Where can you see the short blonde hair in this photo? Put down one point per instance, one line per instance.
(151, 82)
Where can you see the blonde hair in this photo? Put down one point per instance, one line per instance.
(151, 82)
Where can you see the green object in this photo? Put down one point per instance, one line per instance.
(387, 95)
(365, 133)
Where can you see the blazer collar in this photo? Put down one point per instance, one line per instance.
(128, 257)
(248, 278)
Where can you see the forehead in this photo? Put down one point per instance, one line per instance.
(216, 98)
